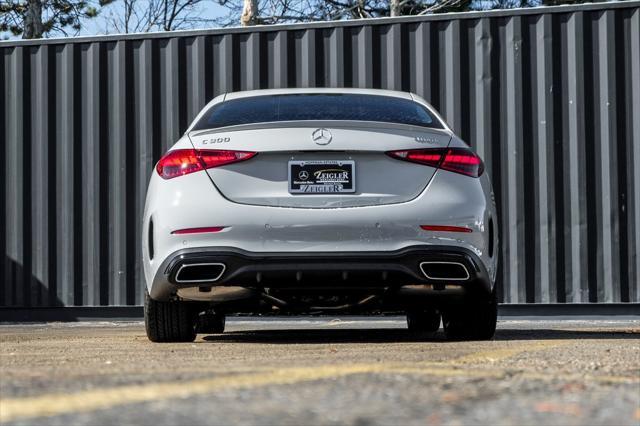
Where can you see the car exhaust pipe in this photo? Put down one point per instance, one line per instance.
(199, 272)
(445, 271)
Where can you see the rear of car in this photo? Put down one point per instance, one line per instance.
(315, 201)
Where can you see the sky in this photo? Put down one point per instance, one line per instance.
(207, 9)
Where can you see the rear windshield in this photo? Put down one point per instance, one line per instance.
(303, 107)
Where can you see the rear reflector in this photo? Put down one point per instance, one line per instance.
(445, 228)
(180, 162)
(458, 160)
(203, 230)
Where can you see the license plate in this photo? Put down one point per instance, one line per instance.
(322, 177)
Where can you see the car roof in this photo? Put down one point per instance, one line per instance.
(317, 90)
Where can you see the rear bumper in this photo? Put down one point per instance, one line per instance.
(192, 201)
(324, 270)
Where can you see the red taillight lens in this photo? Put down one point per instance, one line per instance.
(464, 161)
(428, 157)
(214, 158)
(180, 162)
(177, 163)
(458, 160)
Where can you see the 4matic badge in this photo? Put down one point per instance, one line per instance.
(425, 139)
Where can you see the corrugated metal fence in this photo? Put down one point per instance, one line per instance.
(549, 97)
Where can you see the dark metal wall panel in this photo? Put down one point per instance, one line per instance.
(631, 93)
(549, 97)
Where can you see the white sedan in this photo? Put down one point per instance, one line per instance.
(319, 200)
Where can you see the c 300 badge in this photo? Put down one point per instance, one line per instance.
(216, 140)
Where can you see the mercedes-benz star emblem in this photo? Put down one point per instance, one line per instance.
(303, 175)
(321, 136)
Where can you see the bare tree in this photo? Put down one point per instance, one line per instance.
(132, 16)
(33, 25)
(254, 12)
(446, 6)
(40, 18)
(395, 9)
(249, 13)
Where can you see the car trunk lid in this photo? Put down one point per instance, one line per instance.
(326, 147)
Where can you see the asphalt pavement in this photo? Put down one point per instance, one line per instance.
(353, 371)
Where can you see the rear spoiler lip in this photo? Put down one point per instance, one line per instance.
(312, 124)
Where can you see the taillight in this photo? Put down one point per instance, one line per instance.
(428, 157)
(458, 160)
(464, 161)
(180, 162)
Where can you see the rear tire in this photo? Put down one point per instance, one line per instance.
(211, 323)
(471, 322)
(168, 321)
(424, 321)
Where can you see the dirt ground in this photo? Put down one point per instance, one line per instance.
(354, 371)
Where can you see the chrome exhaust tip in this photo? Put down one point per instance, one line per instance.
(445, 271)
(199, 273)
